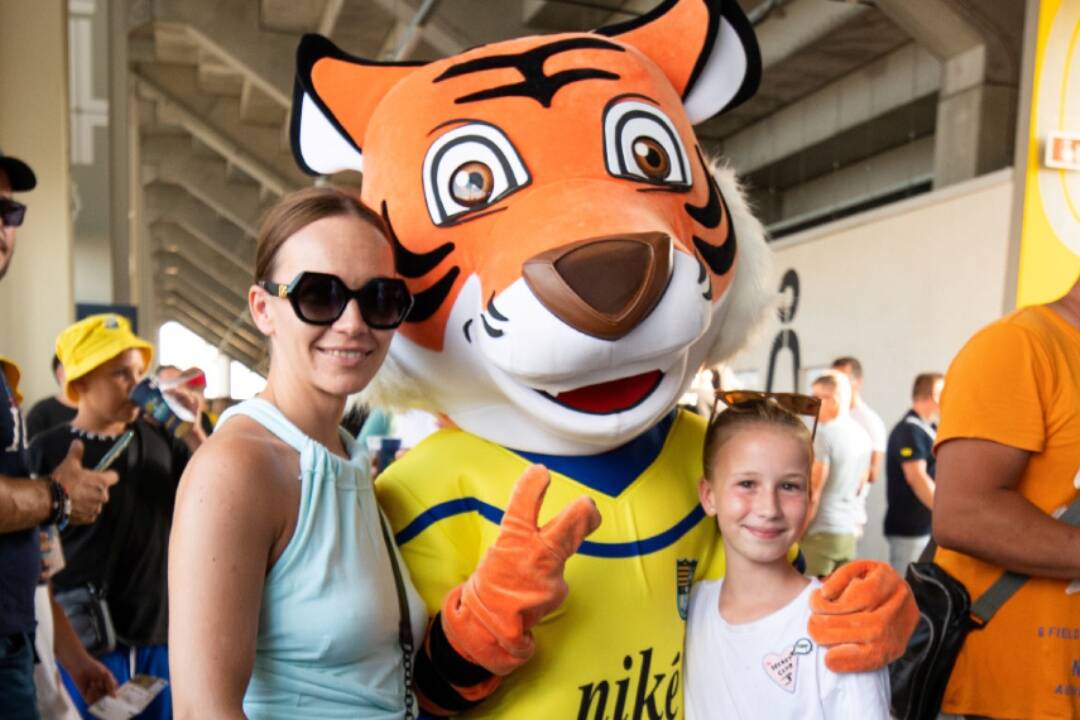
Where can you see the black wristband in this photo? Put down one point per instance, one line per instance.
(451, 664)
(61, 504)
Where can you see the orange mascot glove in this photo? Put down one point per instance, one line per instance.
(488, 618)
(865, 614)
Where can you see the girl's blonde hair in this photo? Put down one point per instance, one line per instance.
(763, 412)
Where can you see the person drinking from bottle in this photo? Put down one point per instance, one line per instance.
(122, 554)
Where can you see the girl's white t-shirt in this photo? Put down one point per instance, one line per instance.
(769, 668)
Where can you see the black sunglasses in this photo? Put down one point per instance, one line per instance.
(745, 400)
(12, 213)
(320, 299)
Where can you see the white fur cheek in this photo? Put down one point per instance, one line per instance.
(753, 291)
(543, 352)
(484, 385)
(415, 377)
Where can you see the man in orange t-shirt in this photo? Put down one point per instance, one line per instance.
(1008, 463)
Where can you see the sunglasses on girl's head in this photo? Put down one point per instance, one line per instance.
(320, 299)
(11, 213)
(744, 400)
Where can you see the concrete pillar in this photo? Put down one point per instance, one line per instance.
(144, 272)
(37, 294)
(979, 47)
(121, 173)
(976, 121)
(89, 106)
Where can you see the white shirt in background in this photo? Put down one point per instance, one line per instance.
(769, 668)
(872, 423)
(846, 447)
(874, 426)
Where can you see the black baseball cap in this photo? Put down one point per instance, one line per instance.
(19, 174)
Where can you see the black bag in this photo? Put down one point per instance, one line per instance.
(918, 679)
(946, 616)
(89, 616)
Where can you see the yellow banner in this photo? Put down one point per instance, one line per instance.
(1050, 240)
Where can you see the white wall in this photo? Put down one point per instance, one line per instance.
(901, 288)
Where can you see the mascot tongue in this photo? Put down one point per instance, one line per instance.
(610, 397)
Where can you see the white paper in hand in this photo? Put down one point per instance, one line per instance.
(131, 699)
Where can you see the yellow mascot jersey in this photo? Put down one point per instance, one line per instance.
(614, 648)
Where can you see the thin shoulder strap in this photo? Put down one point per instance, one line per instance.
(1006, 586)
(405, 637)
(266, 414)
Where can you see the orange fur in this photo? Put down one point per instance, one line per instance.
(864, 613)
(488, 619)
(571, 188)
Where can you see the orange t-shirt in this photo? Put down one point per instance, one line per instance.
(1017, 382)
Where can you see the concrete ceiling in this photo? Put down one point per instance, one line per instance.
(213, 79)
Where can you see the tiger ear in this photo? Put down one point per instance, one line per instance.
(707, 48)
(334, 97)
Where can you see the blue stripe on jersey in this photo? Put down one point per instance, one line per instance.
(492, 514)
(612, 471)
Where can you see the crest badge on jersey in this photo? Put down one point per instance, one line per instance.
(684, 578)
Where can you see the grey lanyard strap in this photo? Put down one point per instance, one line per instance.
(1006, 586)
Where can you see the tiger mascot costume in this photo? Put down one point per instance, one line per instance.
(574, 261)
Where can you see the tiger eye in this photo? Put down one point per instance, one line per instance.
(651, 158)
(472, 184)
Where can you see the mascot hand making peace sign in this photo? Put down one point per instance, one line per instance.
(575, 259)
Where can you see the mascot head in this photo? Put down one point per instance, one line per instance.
(574, 257)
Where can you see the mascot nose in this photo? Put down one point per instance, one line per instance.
(602, 286)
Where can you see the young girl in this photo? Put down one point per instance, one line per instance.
(748, 652)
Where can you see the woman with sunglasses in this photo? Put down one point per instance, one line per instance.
(285, 598)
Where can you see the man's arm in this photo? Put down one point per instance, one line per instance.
(28, 502)
(979, 512)
(876, 458)
(921, 483)
(24, 503)
(819, 473)
(91, 677)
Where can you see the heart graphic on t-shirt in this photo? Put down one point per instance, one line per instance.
(781, 668)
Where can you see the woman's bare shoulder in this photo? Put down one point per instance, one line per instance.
(243, 456)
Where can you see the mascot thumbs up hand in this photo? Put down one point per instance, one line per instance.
(488, 619)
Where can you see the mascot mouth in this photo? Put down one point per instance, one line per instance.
(610, 397)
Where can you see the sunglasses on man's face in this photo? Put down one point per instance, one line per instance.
(747, 400)
(12, 213)
(320, 299)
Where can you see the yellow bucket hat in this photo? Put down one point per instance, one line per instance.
(94, 341)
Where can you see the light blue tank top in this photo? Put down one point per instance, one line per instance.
(328, 627)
